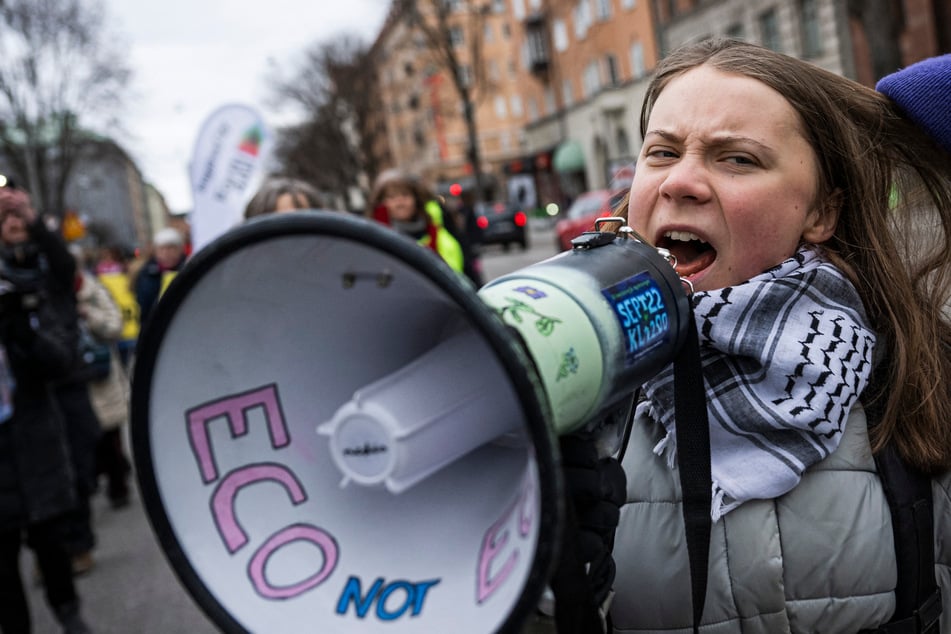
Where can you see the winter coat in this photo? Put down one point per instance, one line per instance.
(435, 236)
(150, 282)
(36, 476)
(820, 558)
(110, 396)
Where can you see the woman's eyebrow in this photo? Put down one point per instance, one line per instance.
(733, 139)
(716, 142)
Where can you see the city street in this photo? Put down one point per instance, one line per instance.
(132, 588)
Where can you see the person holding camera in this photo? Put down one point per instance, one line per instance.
(823, 355)
(37, 485)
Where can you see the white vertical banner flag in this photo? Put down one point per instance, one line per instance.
(230, 153)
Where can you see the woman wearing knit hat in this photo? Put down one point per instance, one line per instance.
(923, 92)
(168, 257)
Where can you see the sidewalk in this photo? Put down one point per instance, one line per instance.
(131, 588)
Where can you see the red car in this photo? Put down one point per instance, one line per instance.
(582, 213)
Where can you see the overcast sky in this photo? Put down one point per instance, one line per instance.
(191, 56)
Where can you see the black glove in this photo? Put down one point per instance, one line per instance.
(597, 488)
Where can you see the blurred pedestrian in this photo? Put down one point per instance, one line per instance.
(401, 201)
(159, 269)
(282, 194)
(112, 269)
(43, 253)
(110, 394)
(37, 346)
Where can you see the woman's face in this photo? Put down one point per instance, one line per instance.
(400, 203)
(13, 228)
(725, 179)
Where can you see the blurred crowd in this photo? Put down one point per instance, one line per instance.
(70, 318)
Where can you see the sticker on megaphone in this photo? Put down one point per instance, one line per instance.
(595, 321)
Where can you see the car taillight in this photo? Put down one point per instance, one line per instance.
(520, 218)
(482, 221)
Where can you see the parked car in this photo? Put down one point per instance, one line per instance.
(582, 213)
(502, 223)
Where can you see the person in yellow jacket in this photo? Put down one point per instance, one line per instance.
(399, 200)
(113, 272)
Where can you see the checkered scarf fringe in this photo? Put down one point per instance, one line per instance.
(785, 356)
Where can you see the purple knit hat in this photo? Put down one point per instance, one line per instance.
(923, 92)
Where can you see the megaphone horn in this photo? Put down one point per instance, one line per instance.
(335, 433)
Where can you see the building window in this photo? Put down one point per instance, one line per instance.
(456, 36)
(769, 30)
(465, 73)
(500, 110)
(549, 101)
(493, 71)
(591, 80)
(735, 31)
(610, 62)
(559, 34)
(604, 9)
(638, 68)
(811, 38)
(566, 93)
(582, 15)
(498, 6)
(488, 34)
(506, 31)
(623, 145)
(515, 105)
(532, 109)
(518, 8)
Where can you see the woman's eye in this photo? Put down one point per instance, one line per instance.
(741, 160)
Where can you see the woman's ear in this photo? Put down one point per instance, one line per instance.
(821, 222)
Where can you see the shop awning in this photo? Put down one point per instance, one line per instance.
(569, 157)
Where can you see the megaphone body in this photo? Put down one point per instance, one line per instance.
(335, 433)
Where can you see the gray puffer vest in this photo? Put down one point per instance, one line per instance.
(819, 559)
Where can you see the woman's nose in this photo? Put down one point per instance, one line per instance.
(686, 180)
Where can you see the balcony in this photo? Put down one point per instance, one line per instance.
(536, 32)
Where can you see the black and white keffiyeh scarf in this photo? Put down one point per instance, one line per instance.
(785, 355)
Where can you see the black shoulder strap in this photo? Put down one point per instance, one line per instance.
(693, 460)
(909, 496)
(917, 596)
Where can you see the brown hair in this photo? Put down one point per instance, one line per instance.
(264, 200)
(890, 184)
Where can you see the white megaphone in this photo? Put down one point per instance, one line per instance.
(335, 433)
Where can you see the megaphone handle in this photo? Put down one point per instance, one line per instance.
(576, 611)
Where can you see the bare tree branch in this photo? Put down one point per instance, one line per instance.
(60, 71)
(335, 86)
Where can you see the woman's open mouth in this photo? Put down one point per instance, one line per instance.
(693, 254)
